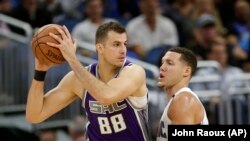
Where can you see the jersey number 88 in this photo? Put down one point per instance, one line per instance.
(117, 122)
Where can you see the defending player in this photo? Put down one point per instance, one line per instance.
(184, 106)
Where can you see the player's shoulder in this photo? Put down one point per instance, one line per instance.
(185, 102)
(185, 95)
(134, 68)
(187, 98)
(133, 71)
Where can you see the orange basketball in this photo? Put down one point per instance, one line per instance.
(43, 52)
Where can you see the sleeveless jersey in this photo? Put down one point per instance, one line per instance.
(165, 121)
(120, 121)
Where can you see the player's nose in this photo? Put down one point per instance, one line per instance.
(123, 50)
(162, 68)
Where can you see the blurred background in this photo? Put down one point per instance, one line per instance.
(218, 31)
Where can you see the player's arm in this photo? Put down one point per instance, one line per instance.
(41, 106)
(131, 79)
(185, 109)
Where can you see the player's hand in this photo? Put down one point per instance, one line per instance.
(66, 45)
(42, 66)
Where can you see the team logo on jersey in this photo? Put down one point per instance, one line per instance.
(96, 107)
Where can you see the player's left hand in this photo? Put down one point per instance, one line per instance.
(66, 44)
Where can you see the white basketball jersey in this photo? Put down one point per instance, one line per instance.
(165, 121)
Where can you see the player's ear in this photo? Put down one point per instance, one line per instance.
(99, 47)
(187, 71)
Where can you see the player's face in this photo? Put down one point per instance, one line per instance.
(171, 70)
(115, 48)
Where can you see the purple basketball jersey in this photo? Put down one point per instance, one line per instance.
(116, 122)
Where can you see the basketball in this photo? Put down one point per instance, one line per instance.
(43, 52)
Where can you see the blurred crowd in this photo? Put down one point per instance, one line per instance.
(152, 25)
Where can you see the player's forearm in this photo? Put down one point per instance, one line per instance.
(35, 101)
(99, 90)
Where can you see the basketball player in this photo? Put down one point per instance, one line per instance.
(184, 106)
(113, 90)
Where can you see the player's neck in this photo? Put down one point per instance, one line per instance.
(106, 72)
(172, 90)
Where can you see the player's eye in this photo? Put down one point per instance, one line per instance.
(126, 44)
(170, 62)
(116, 44)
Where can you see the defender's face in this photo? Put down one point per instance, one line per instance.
(171, 70)
(115, 48)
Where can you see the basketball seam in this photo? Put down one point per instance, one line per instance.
(46, 55)
(44, 29)
(44, 36)
(36, 52)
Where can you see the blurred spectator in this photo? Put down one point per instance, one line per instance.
(85, 30)
(207, 7)
(72, 13)
(218, 52)
(150, 30)
(47, 135)
(111, 8)
(5, 8)
(241, 25)
(30, 12)
(54, 7)
(205, 32)
(180, 12)
(238, 55)
(235, 54)
(225, 11)
(128, 9)
(239, 33)
(76, 129)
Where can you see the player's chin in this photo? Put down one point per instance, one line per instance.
(160, 84)
(118, 64)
